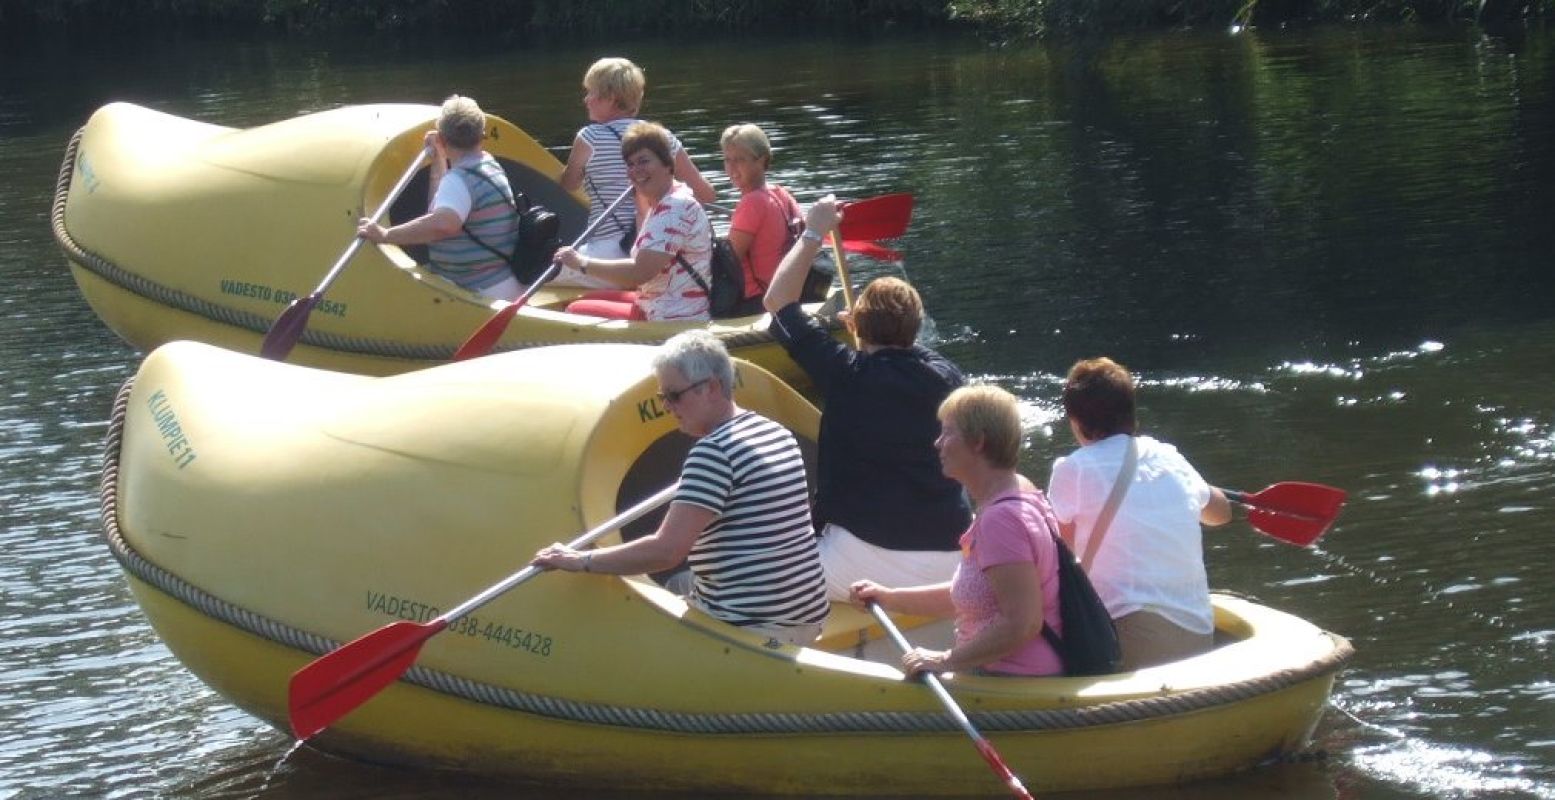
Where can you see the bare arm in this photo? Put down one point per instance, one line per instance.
(628, 273)
(661, 550)
(741, 242)
(577, 158)
(1218, 510)
(687, 173)
(932, 600)
(1018, 590)
(425, 229)
(789, 279)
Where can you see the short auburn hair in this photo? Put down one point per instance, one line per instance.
(1099, 397)
(649, 136)
(888, 313)
(988, 418)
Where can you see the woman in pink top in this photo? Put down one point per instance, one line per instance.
(766, 220)
(1006, 587)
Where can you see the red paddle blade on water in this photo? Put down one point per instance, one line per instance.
(333, 685)
(1293, 511)
(871, 250)
(883, 217)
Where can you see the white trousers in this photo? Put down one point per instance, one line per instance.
(847, 558)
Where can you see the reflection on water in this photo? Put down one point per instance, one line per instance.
(1326, 254)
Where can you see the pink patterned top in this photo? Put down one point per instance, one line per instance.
(1004, 533)
(677, 225)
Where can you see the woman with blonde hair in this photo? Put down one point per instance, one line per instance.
(613, 90)
(1005, 589)
(766, 218)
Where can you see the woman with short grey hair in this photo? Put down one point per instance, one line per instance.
(471, 225)
(741, 517)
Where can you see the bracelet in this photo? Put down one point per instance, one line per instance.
(588, 560)
(812, 234)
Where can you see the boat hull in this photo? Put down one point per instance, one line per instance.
(176, 229)
(577, 679)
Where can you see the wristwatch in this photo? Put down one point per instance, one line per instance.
(813, 235)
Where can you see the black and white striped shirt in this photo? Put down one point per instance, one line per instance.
(757, 563)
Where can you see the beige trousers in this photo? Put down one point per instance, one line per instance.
(1148, 639)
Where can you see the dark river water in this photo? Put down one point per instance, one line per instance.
(1328, 254)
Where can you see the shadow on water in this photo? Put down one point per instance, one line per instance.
(1326, 253)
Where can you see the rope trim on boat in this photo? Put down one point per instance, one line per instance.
(680, 722)
(182, 301)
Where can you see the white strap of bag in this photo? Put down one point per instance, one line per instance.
(1115, 499)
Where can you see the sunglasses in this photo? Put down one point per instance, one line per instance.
(673, 396)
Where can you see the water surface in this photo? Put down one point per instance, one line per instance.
(1327, 253)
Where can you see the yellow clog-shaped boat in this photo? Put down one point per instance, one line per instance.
(265, 513)
(178, 229)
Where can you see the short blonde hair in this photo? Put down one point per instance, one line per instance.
(888, 313)
(749, 137)
(619, 80)
(461, 122)
(989, 419)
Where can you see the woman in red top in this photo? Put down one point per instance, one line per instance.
(766, 220)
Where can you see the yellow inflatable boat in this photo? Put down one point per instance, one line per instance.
(178, 229)
(265, 513)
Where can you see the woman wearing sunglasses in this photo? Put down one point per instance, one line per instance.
(741, 518)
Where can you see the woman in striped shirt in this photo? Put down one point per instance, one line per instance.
(741, 517)
(613, 95)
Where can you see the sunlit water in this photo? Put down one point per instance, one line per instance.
(1328, 255)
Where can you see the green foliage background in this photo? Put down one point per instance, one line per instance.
(531, 18)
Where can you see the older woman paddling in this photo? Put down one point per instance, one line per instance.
(674, 240)
(1006, 587)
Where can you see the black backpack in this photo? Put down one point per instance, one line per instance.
(539, 234)
(728, 288)
(1089, 645)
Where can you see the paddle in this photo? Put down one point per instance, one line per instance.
(486, 336)
(883, 217)
(1292, 511)
(287, 329)
(334, 684)
(1011, 781)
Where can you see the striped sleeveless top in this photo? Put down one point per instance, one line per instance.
(757, 563)
(604, 175)
(460, 258)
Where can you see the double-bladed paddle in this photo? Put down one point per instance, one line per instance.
(334, 684)
(287, 329)
(984, 747)
(1292, 511)
(490, 332)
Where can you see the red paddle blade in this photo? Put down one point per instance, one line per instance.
(1295, 512)
(871, 250)
(334, 684)
(486, 336)
(883, 217)
(287, 329)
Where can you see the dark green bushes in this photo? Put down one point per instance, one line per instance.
(518, 19)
